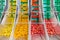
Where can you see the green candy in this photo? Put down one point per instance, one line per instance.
(12, 3)
(57, 5)
(46, 2)
(57, 8)
(47, 15)
(46, 9)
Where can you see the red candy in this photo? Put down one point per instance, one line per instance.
(49, 26)
(37, 29)
(52, 30)
(57, 30)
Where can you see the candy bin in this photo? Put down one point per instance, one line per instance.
(8, 21)
(21, 30)
(50, 20)
(37, 26)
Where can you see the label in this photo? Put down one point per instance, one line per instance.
(35, 11)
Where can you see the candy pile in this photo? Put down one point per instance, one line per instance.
(37, 29)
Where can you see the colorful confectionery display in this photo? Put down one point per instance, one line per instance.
(29, 19)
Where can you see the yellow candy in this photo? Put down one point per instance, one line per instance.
(23, 19)
(24, 7)
(25, 12)
(14, 3)
(21, 30)
(13, 10)
(14, 0)
(13, 7)
(9, 20)
(24, 0)
(6, 31)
